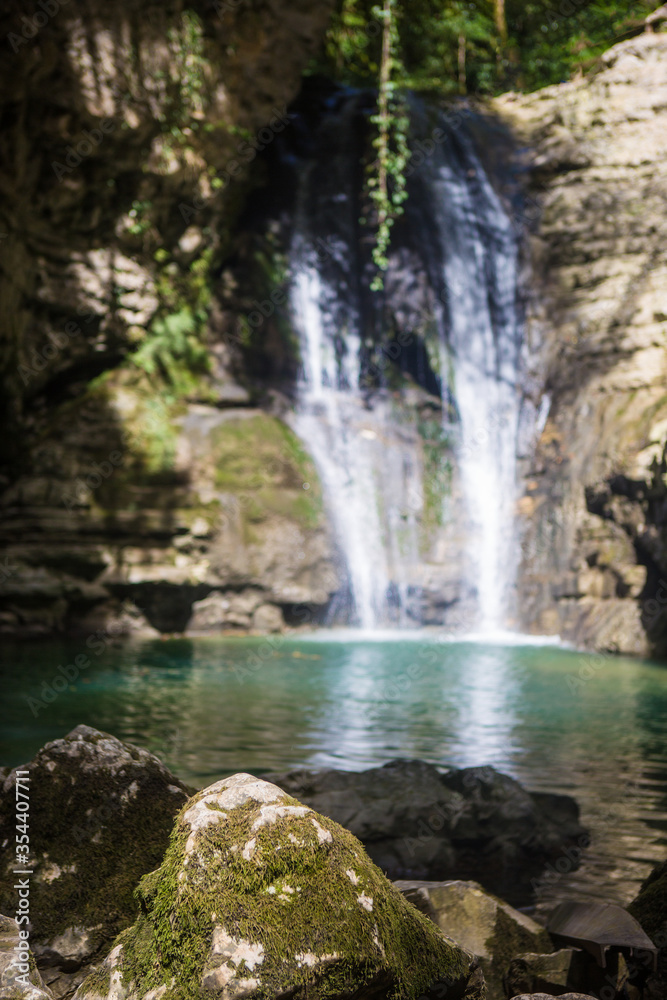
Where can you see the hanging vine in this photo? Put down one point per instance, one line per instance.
(386, 183)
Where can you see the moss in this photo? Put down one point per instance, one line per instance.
(437, 475)
(510, 939)
(261, 461)
(650, 906)
(98, 982)
(171, 942)
(81, 817)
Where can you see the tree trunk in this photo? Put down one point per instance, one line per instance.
(501, 22)
(463, 89)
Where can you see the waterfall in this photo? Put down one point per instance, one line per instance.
(481, 343)
(366, 441)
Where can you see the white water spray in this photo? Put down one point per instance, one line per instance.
(366, 449)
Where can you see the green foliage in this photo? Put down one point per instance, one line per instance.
(174, 349)
(189, 64)
(547, 41)
(458, 46)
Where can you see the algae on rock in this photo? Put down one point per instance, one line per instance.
(259, 896)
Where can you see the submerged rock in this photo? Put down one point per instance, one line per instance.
(416, 822)
(259, 896)
(482, 924)
(100, 815)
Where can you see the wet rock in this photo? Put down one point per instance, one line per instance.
(19, 977)
(480, 923)
(259, 896)
(100, 816)
(416, 822)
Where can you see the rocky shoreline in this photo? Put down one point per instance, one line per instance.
(140, 887)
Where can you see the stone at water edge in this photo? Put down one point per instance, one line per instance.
(492, 930)
(416, 822)
(259, 896)
(10, 987)
(100, 816)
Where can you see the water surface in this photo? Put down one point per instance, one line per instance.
(592, 726)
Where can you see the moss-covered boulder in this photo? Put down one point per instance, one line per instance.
(258, 896)
(492, 930)
(100, 816)
(650, 909)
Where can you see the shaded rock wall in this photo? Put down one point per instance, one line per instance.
(128, 134)
(593, 509)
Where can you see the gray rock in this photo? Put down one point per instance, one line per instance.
(100, 816)
(260, 896)
(480, 923)
(416, 822)
(553, 973)
(19, 977)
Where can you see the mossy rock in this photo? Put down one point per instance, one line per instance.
(650, 906)
(650, 909)
(19, 979)
(488, 927)
(261, 461)
(258, 896)
(100, 816)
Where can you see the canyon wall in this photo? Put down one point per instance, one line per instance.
(134, 486)
(148, 478)
(594, 504)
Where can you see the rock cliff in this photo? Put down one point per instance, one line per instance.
(129, 140)
(593, 509)
(130, 149)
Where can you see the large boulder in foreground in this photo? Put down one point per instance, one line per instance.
(489, 928)
(419, 823)
(100, 816)
(258, 896)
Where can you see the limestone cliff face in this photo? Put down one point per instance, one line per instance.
(129, 135)
(594, 510)
(129, 147)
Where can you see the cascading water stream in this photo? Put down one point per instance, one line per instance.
(481, 341)
(366, 467)
(365, 445)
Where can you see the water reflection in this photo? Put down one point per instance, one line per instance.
(487, 699)
(212, 707)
